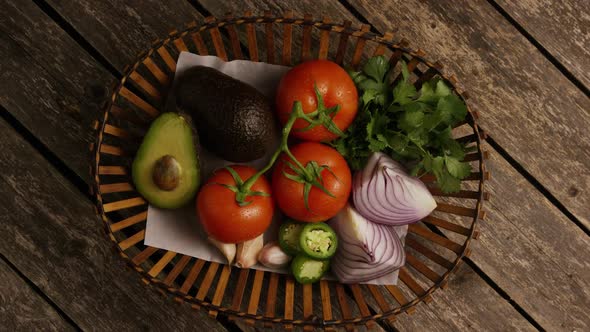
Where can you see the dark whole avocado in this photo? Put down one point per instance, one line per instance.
(234, 120)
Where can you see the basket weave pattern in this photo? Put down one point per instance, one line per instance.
(434, 247)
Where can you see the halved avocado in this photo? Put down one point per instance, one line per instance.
(166, 167)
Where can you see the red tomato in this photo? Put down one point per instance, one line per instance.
(336, 88)
(289, 193)
(220, 215)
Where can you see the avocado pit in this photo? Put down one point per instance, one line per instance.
(166, 173)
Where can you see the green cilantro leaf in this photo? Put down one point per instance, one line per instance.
(442, 89)
(376, 68)
(447, 183)
(427, 94)
(404, 93)
(412, 126)
(451, 109)
(396, 141)
(409, 121)
(456, 168)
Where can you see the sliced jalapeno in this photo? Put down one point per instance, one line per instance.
(307, 270)
(289, 234)
(318, 240)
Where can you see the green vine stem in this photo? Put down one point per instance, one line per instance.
(309, 175)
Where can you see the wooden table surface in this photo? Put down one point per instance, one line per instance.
(526, 65)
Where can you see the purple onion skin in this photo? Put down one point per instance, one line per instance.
(366, 250)
(384, 193)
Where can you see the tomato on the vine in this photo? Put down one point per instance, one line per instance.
(221, 215)
(323, 200)
(322, 86)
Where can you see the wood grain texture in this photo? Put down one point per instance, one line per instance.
(55, 86)
(23, 309)
(561, 27)
(512, 85)
(468, 304)
(119, 29)
(52, 237)
(533, 252)
(42, 65)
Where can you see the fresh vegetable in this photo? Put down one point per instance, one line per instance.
(272, 256)
(307, 270)
(412, 126)
(328, 96)
(247, 252)
(384, 193)
(223, 217)
(227, 249)
(367, 250)
(166, 167)
(235, 204)
(289, 234)
(318, 240)
(234, 120)
(316, 191)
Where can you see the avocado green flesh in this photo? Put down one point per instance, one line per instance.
(169, 134)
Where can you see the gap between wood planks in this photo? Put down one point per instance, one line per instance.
(83, 187)
(492, 284)
(37, 290)
(57, 163)
(570, 76)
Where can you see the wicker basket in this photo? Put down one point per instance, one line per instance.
(435, 246)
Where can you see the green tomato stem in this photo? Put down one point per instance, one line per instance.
(243, 188)
(296, 113)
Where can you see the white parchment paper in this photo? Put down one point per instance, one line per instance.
(179, 230)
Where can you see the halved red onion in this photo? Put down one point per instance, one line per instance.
(366, 250)
(384, 193)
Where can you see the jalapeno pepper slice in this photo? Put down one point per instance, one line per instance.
(307, 270)
(289, 234)
(318, 241)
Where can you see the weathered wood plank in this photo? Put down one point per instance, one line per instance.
(468, 304)
(52, 237)
(119, 29)
(561, 27)
(527, 106)
(22, 309)
(50, 73)
(533, 252)
(55, 87)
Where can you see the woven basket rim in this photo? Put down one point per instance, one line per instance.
(361, 32)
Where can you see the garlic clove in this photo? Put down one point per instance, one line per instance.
(272, 256)
(227, 249)
(247, 252)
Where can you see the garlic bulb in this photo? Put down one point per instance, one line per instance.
(272, 256)
(247, 252)
(227, 249)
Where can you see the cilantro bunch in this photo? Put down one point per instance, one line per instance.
(412, 126)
